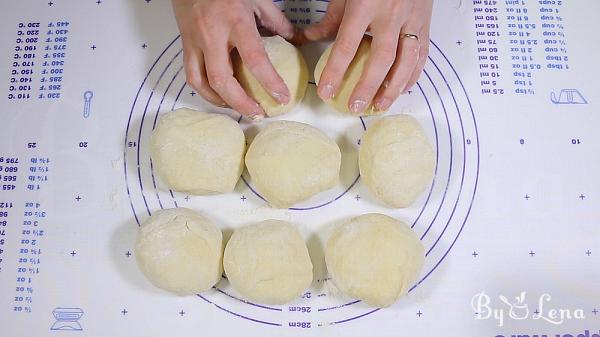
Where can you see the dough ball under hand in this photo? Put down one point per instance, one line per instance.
(396, 160)
(289, 162)
(374, 258)
(340, 101)
(180, 251)
(289, 64)
(197, 152)
(268, 262)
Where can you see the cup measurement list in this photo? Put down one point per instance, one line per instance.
(515, 40)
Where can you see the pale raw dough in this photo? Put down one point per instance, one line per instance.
(180, 251)
(340, 101)
(289, 162)
(268, 262)
(374, 258)
(396, 160)
(289, 64)
(197, 152)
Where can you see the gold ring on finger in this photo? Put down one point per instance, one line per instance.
(410, 36)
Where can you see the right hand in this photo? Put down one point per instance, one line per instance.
(395, 62)
(210, 29)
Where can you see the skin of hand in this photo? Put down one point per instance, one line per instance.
(210, 29)
(395, 62)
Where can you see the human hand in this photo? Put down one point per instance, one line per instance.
(400, 46)
(210, 29)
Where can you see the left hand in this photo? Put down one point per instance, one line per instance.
(210, 29)
(395, 62)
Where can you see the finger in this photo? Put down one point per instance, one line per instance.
(423, 54)
(220, 77)
(195, 74)
(399, 75)
(271, 17)
(381, 59)
(250, 47)
(352, 30)
(422, 11)
(328, 25)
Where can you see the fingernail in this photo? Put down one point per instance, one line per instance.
(326, 91)
(358, 106)
(256, 118)
(281, 98)
(383, 104)
(288, 35)
(256, 115)
(403, 90)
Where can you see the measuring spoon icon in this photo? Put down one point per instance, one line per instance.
(87, 97)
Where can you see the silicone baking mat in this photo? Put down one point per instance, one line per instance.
(510, 223)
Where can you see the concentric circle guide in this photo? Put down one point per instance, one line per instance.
(441, 216)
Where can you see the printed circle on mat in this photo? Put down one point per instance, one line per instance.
(439, 102)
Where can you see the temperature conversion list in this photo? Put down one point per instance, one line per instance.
(38, 60)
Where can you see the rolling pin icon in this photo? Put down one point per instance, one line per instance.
(87, 97)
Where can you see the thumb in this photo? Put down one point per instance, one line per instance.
(328, 26)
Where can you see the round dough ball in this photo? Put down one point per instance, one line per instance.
(180, 251)
(396, 160)
(268, 262)
(198, 152)
(290, 162)
(289, 64)
(340, 101)
(374, 258)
